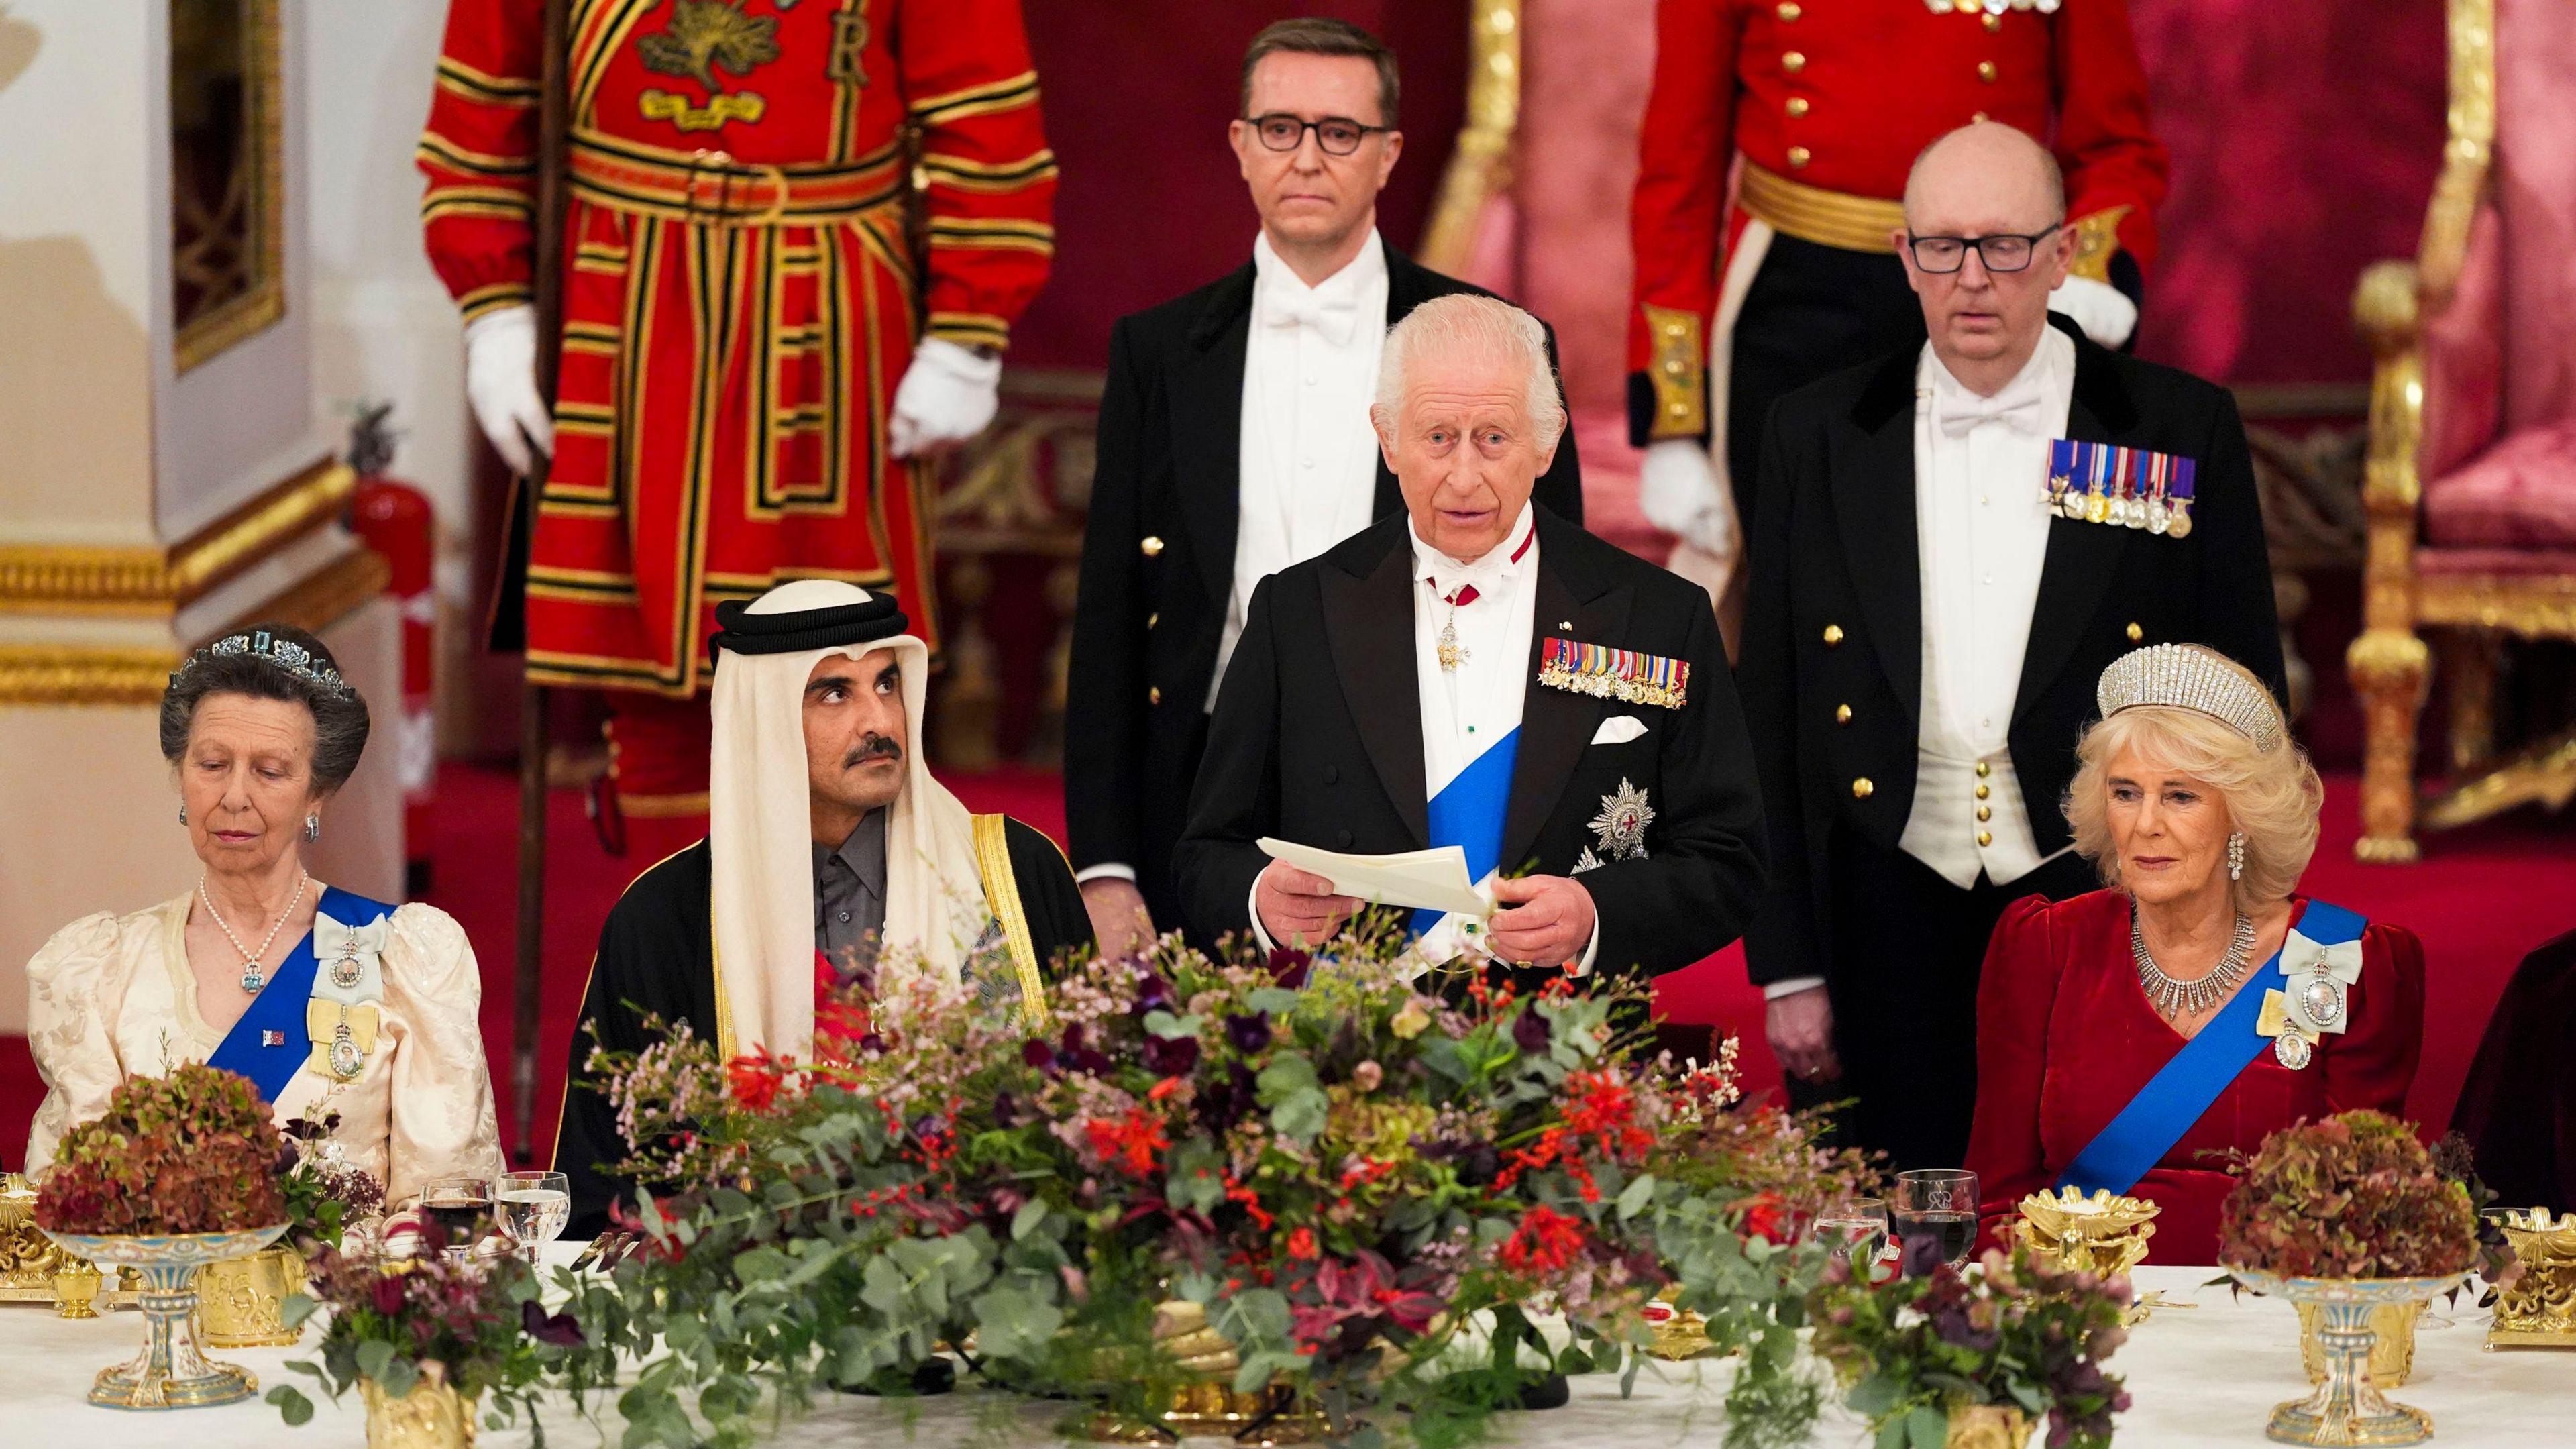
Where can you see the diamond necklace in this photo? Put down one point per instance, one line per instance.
(252, 978)
(2174, 998)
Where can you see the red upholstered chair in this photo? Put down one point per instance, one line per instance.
(2471, 479)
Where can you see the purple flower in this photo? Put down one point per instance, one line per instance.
(1955, 1327)
(558, 1329)
(1227, 1102)
(1171, 1056)
(1006, 1109)
(1921, 1255)
(1038, 1054)
(1152, 994)
(1288, 966)
(1530, 1032)
(1248, 1034)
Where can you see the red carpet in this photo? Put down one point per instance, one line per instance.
(2482, 898)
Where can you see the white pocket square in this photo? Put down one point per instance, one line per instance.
(1618, 730)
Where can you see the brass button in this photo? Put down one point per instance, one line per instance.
(1984, 790)
(2135, 633)
(1797, 157)
(1676, 367)
(1151, 546)
(1986, 71)
(1842, 714)
(1789, 10)
(1861, 788)
(1797, 105)
(1977, 117)
(1679, 409)
(1994, 21)
(1985, 812)
(1153, 619)
(1153, 694)
(1984, 769)
(1793, 62)
(1985, 837)
(1833, 635)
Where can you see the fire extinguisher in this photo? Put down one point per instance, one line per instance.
(394, 519)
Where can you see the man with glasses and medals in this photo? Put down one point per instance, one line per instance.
(1952, 543)
(1235, 441)
(1750, 290)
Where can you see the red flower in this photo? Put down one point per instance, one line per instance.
(1545, 1242)
(755, 1080)
(1301, 1245)
(1768, 1218)
(387, 1292)
(1129, 1142)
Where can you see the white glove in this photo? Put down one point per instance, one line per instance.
(2104, 312)
(1678, 491)
(946, 396)
(501, 384)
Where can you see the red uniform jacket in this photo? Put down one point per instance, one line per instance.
(1841, 95)
(2065, 1038)
(740, 292)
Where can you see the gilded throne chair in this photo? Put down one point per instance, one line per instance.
(2470, 481)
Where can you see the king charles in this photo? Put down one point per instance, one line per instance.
(1478, 672)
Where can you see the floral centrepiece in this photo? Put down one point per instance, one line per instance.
(1342, 1169)
(1916, 1350)
(190, 1152)
(325, 1193)
(2353, 1196)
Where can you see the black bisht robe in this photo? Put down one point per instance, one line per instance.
(657, 958)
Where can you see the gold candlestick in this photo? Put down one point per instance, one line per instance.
(2101, 1234)
(27, 1257)
(2539, 1309)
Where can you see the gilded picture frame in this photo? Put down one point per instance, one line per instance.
(228, 178)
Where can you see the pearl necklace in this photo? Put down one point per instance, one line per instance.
(2175, 998)
(253, 978)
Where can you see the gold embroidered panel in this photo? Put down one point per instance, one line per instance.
(227, 177)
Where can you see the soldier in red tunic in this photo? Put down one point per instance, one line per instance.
(1771, 167)
(752, 353)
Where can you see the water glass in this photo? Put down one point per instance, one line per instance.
(533, 1207)
(1941, 1204)
(1852, 1229)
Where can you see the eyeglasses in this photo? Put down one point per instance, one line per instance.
(2002, 253)
(1338, 135)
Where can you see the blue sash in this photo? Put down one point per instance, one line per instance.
(2176, 1097)
(1468, 813)
(279, 1007)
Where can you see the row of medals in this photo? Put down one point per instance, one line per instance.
(2088, 506)
(2322, 998)
(345, 973)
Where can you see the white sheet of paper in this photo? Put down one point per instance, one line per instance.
(1434, 879)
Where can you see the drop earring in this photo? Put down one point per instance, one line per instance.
(183, 814)
(2236, 856)
(313, 827)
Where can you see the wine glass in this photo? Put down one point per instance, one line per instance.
(534, 1206)
(460, 1206)
(1852, 1228)
(1938, 1203)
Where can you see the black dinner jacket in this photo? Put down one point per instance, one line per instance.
(1833, 612)
(1317, 738)
(1147, 624)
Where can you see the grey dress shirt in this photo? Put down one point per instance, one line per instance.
(849, 892)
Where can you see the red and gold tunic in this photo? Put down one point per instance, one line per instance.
(1828, 102)
(739, 295)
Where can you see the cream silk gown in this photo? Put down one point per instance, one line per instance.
(111, 996)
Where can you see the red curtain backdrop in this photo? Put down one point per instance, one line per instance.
(2305, 139)
(1137, 94)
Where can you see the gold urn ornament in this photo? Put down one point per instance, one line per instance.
(28, 1259)
(433, 1415)
(1987, 1426)
(2538, 1310)
(2347, 1407)
(2102, 1234)
(1208, 1403)
(242, 1303)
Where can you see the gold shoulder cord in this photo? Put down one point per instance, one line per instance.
(2097, 236)
(1002, 896)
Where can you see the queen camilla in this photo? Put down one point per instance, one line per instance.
(2127, 1036)
(327, 1001)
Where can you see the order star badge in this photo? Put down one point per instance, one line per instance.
(1621, 825)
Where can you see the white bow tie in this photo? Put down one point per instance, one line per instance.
(1334, 318)
(2023, 407)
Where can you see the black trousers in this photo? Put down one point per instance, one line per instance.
(1908, 949)
(1812, 310)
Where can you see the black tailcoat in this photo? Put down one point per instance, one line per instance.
(657, 958)
(1158, 564)
(1317, 738)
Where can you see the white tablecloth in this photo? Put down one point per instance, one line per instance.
(2205, 1376)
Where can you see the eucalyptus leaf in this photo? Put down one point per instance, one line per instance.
(374, 1357)
(1026, 1220)
(292, 1406)
(1926, 1428)
(1633, 1199)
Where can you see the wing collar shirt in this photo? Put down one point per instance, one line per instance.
(1309, 460)
(1980, 466)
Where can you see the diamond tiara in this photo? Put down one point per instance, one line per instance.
(284, 654)
(2187, 676)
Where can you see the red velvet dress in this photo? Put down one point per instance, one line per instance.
(2066, 1037)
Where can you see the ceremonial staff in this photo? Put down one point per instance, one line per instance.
(536, 701)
